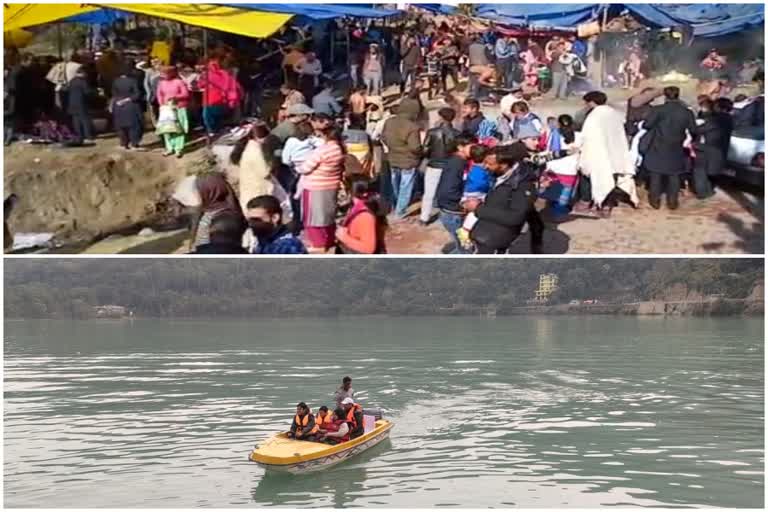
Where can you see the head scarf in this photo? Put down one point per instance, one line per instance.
(216, 194)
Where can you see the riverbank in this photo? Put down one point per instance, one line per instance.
(99, 199)
(719, 307)
(706, 308)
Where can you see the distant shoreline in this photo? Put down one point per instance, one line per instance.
(699, 308)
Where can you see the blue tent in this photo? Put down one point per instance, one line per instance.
(654, 15)
(437, 8)
(107, 16)
(323, 11)
(713, 20)
(538, 15)
(705, 20)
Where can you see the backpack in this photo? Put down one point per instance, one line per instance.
(578, 67)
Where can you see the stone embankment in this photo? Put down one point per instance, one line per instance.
(713, 307)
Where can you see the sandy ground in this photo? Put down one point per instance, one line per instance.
(731, 222)
(95, 199)
(86, 192)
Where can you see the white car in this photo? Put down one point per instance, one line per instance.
(746, 152)
(746, 155)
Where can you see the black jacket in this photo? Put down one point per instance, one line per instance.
(360, 429)
(667, 125)
(128, 114)
(219, 248)
(711, 142)
(77, 96)
(502, 217)
(451, 185)
(751, 115)
(437, 145)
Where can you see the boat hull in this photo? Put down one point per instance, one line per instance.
(324, 461)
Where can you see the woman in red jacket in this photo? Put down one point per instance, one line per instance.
(221, 95)
(363, 229)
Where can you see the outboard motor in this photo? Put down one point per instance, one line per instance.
(376, 413)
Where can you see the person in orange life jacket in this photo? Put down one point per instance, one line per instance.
(303, 427)
(337, 431)
(354, 415)
(323, 418)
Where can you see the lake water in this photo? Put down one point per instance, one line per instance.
(533, 412)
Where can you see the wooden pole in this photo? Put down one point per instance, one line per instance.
(205, 79)
(349, 49)
(603, 54)
(60, 41)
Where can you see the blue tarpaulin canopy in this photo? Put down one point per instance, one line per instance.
(538, 15)
(323, 11)
(654, 15)
(108, 16)
(705, 20)
(437, 8)
(712, 20)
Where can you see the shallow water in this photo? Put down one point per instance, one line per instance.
(534, 412)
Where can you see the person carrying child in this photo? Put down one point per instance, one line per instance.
(477, 185)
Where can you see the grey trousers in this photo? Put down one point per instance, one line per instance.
(373, 82)
(431, 180)
(560, 85)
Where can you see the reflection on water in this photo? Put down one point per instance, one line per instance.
(338, 487)
(507, 412)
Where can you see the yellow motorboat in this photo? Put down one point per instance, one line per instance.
(279, 453)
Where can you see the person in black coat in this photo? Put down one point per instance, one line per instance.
(662, 147)
(126, 110)
(437, 149)
(711, 139)
(509, 205)
(77, 106)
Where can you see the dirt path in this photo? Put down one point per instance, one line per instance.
(731, 222)
(84, 193)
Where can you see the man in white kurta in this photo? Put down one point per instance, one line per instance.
(605, 156)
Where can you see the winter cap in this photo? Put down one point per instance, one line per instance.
(528, 131)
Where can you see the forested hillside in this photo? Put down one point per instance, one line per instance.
(251, 287)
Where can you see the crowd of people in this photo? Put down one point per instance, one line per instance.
(344, 423)
(329, 171)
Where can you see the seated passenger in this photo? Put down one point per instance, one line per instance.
(354, 416)
(337, 431)
(323, 417)
(303, 427)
